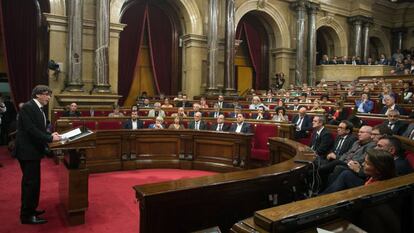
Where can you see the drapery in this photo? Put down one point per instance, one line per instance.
(253, 33)
(140, 18)
(20, 22)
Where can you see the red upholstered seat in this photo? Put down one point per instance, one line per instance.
(88, 124)
(409, 155)
(262, 132)
(115, 124)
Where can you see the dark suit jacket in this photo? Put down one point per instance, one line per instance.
(399, 127)
(32, 137)
(182, 104)
(211, 114)
(306, 126)
(265, 116)
(407, 132)
(71, 114)
(245, 128)
(291, 107)
(128, 124)
(232, 115)
(402, 166)
(203, 125)
(224, 128)
(346, 145)
(323, 144)
(398, 108)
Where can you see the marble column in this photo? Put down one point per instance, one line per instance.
(367, 25)
(356, 22)
(398, 34)
(229, 79)
(101, 80)
(312, 10)
(75, 16)
(212, 48)
(300, 7)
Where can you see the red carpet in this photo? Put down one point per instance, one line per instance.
(112, 203)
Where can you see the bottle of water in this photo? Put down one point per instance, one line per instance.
(91, 112)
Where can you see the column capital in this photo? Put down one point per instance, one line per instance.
(299, 5)
(369, 21)
(313, 8)
(360, 19)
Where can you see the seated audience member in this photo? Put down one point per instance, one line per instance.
(240, 126)
(177, 124)
(133, 122)
(180, 112)
(390, 105)
(217, 111)
(382, 60)
(378, 165)
(260, 114)
(157, 111)
(196, 108)
(356, 176)
(236, 111)
(380, 131)
(269, 98)
(334, 61)
(203, 102)
(116, 112)
(386, 91)
(351, 91)
(321, 140)
(409, 132)
(408, 92)
(295, 106)
(145, 104)
(280, 80)
(159, 123)
(355, 61)
(303, 98)
(324, 60)
(287, 98)
(256, 103)
(364, 105)
(280, 115)
(338, 113)
(325, 99)
(354, 155)
(72, 111)
(220, 126)
(221, 103)
(183, 102)
(303, 124)
(344, 60)
(167, 103)
(343, 141)
(369, 62)
(317, 107)
(197, 123)
(394, 123)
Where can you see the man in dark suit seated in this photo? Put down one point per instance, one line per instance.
(72, 111)
(183, 102)
(220, 126)
(260, 114)
(390, 105)
(322, 140)
(240, 126)
(394, 123)
(295, 106)
(133, 123)
(236, 111)
(216, 112)
(343, 141)
(31, 143)
(197, 123)
(222, 104)
(303, 124)
(355, 176)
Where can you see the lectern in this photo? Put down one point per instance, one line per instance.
(73, 175)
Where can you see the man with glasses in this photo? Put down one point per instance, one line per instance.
(31, 141)
(344, 140)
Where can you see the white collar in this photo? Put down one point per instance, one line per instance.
(38, 103)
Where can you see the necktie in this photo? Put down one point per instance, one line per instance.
(338, 148)
(300, 121)
(314, 142)
(219, 128)
(44, 116)
(411, 135)
(197, 125)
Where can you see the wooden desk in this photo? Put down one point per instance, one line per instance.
(113, 150)
(220, 200)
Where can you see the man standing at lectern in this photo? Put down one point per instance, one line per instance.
(31, 142)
